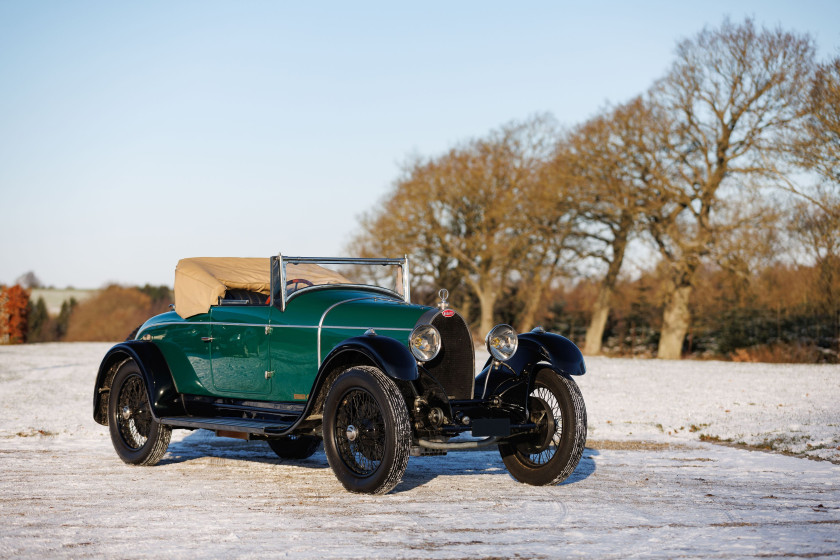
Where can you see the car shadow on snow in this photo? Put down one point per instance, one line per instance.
(585, 468)
(422, 470)
(203, 445)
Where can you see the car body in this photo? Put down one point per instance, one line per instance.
(296, 350)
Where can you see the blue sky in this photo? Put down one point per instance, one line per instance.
(135, 134)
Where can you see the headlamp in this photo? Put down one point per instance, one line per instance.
(424, 342)
(502, 342)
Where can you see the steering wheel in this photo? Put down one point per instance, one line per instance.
(297, 283)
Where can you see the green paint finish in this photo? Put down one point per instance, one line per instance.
(245, 342)
(294, 337)
(332, 337)
(168, 317)
(294, 362)
(375, 314)
(353, 318)
(294, 340)
(239, 351)
(307, 306)
(186, 354)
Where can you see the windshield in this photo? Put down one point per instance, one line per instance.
(291, 274)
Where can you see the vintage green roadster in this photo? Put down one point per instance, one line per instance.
(296, 351)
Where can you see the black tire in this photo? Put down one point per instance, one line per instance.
(550, 456)
(367, 434)
(295, 447)
(137, 437)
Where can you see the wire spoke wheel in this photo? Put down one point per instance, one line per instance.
(367, 434)
(360, 432)
(546, 413)
(137, 437)
(552, 452)
(133, 417)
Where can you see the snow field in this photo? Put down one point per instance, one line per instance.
(638, 491)
(784, 407)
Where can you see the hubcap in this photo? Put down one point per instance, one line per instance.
(126, 413)
(543, 417)
(546, 414)
(352, 433)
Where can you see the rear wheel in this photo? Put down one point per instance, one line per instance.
(137, 437)
(553, 453)
(366, 431)
(294, 447)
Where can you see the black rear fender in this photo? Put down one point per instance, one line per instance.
(163, 397)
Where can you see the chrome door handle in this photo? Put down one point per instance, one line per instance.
(206, 339)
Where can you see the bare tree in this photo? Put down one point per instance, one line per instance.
(544, 215)
(817, 229)
(28, 280)
(609, 168)
(819, 148)
(463, 215)
(727, 100)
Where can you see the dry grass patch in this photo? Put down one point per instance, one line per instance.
(633, 445)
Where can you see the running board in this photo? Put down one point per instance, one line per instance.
(241, 425)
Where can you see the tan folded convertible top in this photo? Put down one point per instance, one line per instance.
(201, 281)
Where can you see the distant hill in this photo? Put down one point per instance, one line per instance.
(54, 298)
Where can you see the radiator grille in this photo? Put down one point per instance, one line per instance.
(454, 366)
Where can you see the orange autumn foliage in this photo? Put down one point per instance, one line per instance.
(110, 315)
(14, 302)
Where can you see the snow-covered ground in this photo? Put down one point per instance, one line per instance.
(646, 486)
(784, 407)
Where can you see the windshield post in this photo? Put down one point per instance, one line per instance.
(282, 282)
(405, 279)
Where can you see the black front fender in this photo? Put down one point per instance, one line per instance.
(557, 350)
(534, 352)
(390, 356)
(163, 396)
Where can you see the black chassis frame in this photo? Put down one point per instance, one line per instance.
(498, 409)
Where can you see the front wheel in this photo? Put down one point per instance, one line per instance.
(367, 434)
(550, 455)
(137, 437)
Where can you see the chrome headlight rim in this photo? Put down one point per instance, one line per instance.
(502, 342)
(424, 342)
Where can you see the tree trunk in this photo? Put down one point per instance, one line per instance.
(486, 302)
(465, 308)
(536, 288)
(675, 322)
(526, 320)
(600, 312)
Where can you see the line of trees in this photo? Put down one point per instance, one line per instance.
(110, 315)
(728, 165)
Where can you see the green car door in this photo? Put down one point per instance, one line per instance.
(293, 347)
(239, 351)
